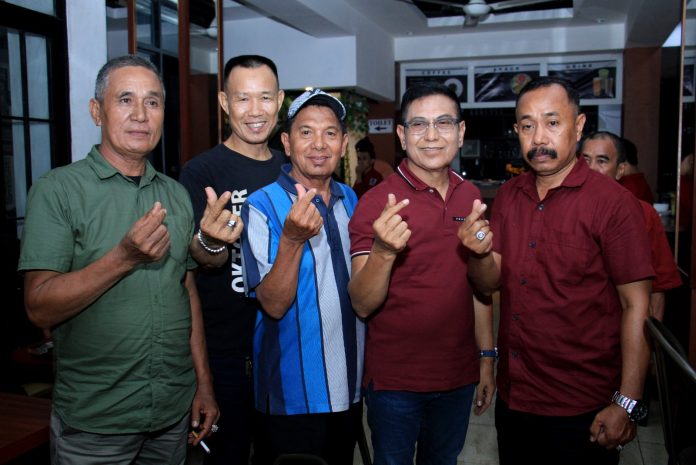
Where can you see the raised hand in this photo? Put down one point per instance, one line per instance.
(391, 231)
(475, 233)
(304, 220)
(148, 238)
(218, 223)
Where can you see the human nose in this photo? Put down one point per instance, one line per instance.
(431, 131)
(539, 136)
(318, 142)
(139, 112)
(255, 107)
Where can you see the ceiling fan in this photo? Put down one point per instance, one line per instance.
(475, 10)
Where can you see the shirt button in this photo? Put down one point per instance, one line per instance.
(316, 200)
(431, 190)
(532, 244)
(540, 207)
(523, 281)
(515, 317)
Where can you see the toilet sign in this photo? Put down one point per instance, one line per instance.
(380, 126)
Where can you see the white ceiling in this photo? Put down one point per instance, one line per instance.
(647, 22)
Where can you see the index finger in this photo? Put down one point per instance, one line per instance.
(153, 218)
(393, 207)
(303, 195)
(215, 204)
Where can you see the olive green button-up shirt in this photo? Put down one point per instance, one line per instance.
(123, 364)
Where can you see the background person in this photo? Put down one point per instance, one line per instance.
(233, 169)
(367, 176)
(106, 264)
(604, 152)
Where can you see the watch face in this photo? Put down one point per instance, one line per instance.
(640, 411)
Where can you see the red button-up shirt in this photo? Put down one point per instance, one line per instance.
(560, 320)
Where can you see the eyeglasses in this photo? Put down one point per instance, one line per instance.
(443, 125)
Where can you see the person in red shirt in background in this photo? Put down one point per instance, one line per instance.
(605, 153)
(630, 177)
(368, 177)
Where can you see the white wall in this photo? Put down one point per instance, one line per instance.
(86, 24)
(509, 44)
(302, 60)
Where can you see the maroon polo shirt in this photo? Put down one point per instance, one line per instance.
(422, 337)
(560, 320)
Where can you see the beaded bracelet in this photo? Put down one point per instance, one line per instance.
(206, 247)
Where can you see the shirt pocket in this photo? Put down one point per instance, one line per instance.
(179, 228)
(566, 256)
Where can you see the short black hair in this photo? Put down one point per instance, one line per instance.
(631, 152)
(249, 62)
(427, 89)
(616, 140)
(365, 145)
(546, 81)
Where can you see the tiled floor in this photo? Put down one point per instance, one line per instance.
(481, 448)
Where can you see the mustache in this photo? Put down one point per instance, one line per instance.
(541, 151)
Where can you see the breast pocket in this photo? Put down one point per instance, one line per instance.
(179, 236)
(567, 255)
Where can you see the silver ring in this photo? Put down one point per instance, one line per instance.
(214, 428)
(619, 447)
(231, 223)
(480, 235)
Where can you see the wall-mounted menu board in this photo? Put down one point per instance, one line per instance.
(593, 79)
(502, 83)
(455, 78)
(496, 82)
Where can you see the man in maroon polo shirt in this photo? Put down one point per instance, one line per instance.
(605, 152)
(569, 252)
(428, 340)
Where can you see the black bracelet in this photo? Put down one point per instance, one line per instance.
(206, 247)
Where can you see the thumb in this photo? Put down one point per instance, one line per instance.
(391, 200)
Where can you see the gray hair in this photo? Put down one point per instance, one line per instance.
(121, 62)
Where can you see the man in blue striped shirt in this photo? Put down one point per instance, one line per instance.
(308, 343)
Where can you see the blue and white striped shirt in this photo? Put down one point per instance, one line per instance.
(311, 360)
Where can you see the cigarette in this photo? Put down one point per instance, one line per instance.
(201, 443)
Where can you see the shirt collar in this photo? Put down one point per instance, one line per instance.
(105, 170)
(576, 178)
(287, 182)
(408, 176)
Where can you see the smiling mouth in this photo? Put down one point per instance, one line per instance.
(256, 125)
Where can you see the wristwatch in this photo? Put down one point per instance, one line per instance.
(636, 409)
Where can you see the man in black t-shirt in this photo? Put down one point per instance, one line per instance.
(233, 170)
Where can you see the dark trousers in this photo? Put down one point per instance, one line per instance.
(526, 438)
(331, 436)
(234, 392)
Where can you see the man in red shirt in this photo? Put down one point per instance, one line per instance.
(429, 341)
(569, 252)
(368, 176)
(630, 177)
(605, 153)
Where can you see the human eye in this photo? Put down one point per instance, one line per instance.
(418, 125)
(526, 127)
(152, 103)
(265, 98)
(445, 124)
(124, 99)
(304, 132)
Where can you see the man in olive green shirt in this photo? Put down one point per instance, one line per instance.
(106, 265)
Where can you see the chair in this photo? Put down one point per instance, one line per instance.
(676, 387)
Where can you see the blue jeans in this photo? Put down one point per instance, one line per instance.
(437, 421)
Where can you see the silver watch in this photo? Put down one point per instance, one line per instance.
(636, 409)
